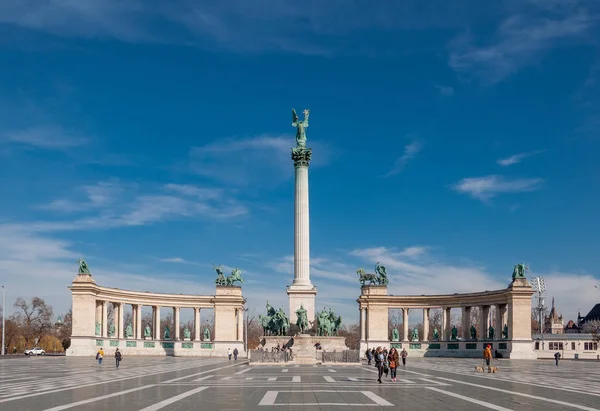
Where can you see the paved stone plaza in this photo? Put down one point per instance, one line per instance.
(167, 383)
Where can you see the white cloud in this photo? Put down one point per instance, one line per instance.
(485, 188)
(115, 204)
(263, 160)
(48, 137)
(177, 260)
(517, 158)
(410, 151)
(521, 39)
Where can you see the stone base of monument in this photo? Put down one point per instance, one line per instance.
(303, 347)
(88, 346)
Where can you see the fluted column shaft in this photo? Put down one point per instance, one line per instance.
(405, 324)
(363, 320)
(138, 321)
(119, 319)
(196, 324)
(301, 228)
(176, 323)
(105, 319)
(425, 325)
(157, 323)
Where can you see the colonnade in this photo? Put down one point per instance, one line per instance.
(445, 334)
(136, 322)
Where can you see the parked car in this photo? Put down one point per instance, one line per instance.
(35, 351)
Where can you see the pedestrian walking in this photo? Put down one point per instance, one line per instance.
(380, 363)
(557, 357)
(118, 357)
(487, 355)
(404, 354)
(235, 353)
(393, 362)
(99, 356)
(369, 356)
(229, 353)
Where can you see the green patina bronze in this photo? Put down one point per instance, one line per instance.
(502, 346)
(130, 343)
(114, 343)
(147, 331)
(149, 344)
(453, 346)
(206, 345)
(471, 346)
(128, 331)
(98, 328)
(415, 334)
(328, 323)
(395, 335)
(491, 332)
(186, 333)
(380, 278)
(396, 345)
(519, 271)
(436, 334)
(505, 332)
(206, 334)
(187, 345)
(111, 330)
(168, 345)
(473, 332)
(83, 267)
(275, 322)
(454, 335)
(99, 343)
(167, 334)
(434, 347)
(301, 127)
(235, 276)
(414, 346)
(302, 321)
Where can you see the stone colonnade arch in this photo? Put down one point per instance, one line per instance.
(513, 308)
(92, 331)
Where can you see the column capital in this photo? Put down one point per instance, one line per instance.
(301, 156)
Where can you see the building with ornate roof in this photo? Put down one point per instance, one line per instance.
(553, 323)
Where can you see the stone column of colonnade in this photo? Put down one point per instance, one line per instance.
(138, 322)
(405, 324)
(425, 336)
(156, 322)
(197, 325)
(446, 323)
(466, 323)
(363, 324)
(105, 318)
(176, 321)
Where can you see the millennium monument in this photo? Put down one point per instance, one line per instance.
(301, 292)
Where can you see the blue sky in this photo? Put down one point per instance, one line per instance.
(450, 142)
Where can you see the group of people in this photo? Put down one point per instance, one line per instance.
(235, 353)
(386, 361)
(100, 356)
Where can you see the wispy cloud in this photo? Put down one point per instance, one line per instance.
(517, 158)
(48, 137)
(485, 188)
(410, 151)
(263, 160)
(114, 204)
(520, 40)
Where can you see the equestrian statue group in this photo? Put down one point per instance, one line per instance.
(328, 324)
(231, 279)
(275, 322)
(380, 278)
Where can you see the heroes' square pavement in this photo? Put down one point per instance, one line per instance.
(174, 383)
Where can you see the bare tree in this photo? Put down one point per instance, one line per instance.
(147, 321)
(64, 330)
(34, 318)
(436, 317)
(352, 334)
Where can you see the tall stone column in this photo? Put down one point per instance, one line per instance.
(157, 335)
(138, 322)
(176, 322)
(425, 325)
(98, 316)
(119, 313)
(405, 324)
(301, 291)
(240, 336)
(484, 315)
(448, 323)
(197, 325)
(466, 323)
(363, 327)
(105, 319)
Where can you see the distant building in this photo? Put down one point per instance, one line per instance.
(553, 323)
(593, 317)
(571, 328)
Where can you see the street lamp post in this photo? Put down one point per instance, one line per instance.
(539, 287)
(3, 318)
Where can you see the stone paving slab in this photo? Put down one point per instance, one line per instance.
(172, 383)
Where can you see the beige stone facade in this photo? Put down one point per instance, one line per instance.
(513, 308)
(90, 307)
